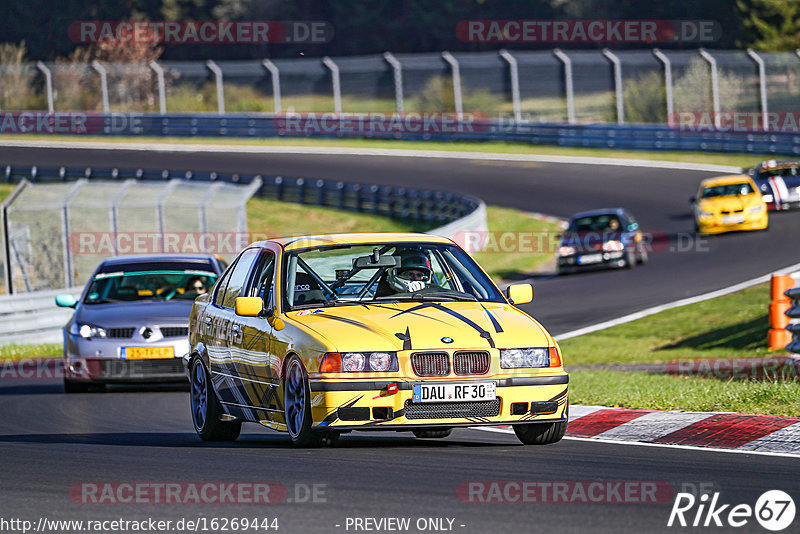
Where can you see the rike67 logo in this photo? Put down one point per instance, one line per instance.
(774, 510)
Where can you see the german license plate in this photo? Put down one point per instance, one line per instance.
(590, 258)
(146, 353)
(732, 219)
(455, 392)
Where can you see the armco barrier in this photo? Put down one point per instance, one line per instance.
(794, 314)
(33, 317)
(635, 137)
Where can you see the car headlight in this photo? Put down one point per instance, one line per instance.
(756, 209)
(356, 362)
(613, 246)
(516, 358)
(87, 331)
(705, 214)
(566, 251)
(767, 198)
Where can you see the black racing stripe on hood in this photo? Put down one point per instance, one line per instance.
(359, 324)
(497, 328)
(437, 306)
(406, 339)
(410, 311)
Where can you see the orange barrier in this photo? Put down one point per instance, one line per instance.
(778, 337)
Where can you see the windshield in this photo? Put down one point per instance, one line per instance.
(329, 276)
(596, 223)
(162, 285)
(727, 190)
(790, 170)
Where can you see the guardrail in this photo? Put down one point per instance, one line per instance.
(33, 317)
(418, 127)
(794, 314)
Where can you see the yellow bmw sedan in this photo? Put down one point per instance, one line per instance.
(729, 203)
(320, 335)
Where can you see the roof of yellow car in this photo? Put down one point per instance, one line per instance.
(726, 180)
(290, 243)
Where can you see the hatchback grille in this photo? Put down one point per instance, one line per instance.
(431, 363)
(174, 331)
(119, 332)
(471, 363)
(452, 410)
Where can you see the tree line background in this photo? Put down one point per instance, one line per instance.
(378, 25)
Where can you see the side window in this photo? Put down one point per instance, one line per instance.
(221, 284)
(238, 277)
(263, 276)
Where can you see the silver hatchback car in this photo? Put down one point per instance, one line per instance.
(131, 321)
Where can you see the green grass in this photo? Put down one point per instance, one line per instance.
(743, 160)
(731, 326)
(5, 190)
(23, 352)
(663, 392)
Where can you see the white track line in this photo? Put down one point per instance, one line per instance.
(382, 152)
(795, 456)
(683, 302)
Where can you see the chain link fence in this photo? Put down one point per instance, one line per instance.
(575, 86)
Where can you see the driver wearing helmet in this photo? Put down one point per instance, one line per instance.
(413, 274)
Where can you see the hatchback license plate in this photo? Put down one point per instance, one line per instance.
(472, 391)
(146, 353)
(590, 258)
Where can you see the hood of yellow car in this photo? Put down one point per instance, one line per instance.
(730, 203)
(422, 326)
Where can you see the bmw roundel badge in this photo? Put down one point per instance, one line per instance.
(447, 339)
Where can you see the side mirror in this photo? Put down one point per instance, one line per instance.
(692, 200)
(519, 293)
(66, 301)
(249, 306)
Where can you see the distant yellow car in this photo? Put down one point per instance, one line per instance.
(727, 204)
(321, 335)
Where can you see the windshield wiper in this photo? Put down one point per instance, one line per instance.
(430, 296)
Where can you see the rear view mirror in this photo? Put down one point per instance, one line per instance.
(519, 293)
(66, 301)
(249, 306)
(370, 262)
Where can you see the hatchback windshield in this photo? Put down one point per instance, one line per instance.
(597, 223)
(384, 272)
(149, 285)
(727, 190)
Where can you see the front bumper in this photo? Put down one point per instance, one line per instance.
(714, 225)
(366, 405)
(608, 260)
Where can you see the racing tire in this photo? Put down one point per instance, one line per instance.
(206, 409)
(297, 408)
(540, 433)
(73, 386)
(432, 434)
(630, 259)
(643, 256)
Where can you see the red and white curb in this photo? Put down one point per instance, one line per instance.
(763, 434)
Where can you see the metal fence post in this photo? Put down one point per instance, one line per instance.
(336, 83)
(6, 230)
(762, 85)
(214, 68)
(617, 84)
(453, 62)
(712, 63)
(69, 278)
(569, 90)
(514, 71)
(397, 70)
(162, 87)
(667, 82)
(162, 197)
(275, 76)
(113, 210)
(48, 82)
(103, 85)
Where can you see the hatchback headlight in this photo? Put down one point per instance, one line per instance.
(756, 209)
(613, 246)
(767, 198)
(356, 362)
(566, 251)
(516, 358)
(705, 214)
(87, 331)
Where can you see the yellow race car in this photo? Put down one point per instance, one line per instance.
(321, 335)
(729, 203)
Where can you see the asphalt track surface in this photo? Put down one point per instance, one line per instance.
(50, 441)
